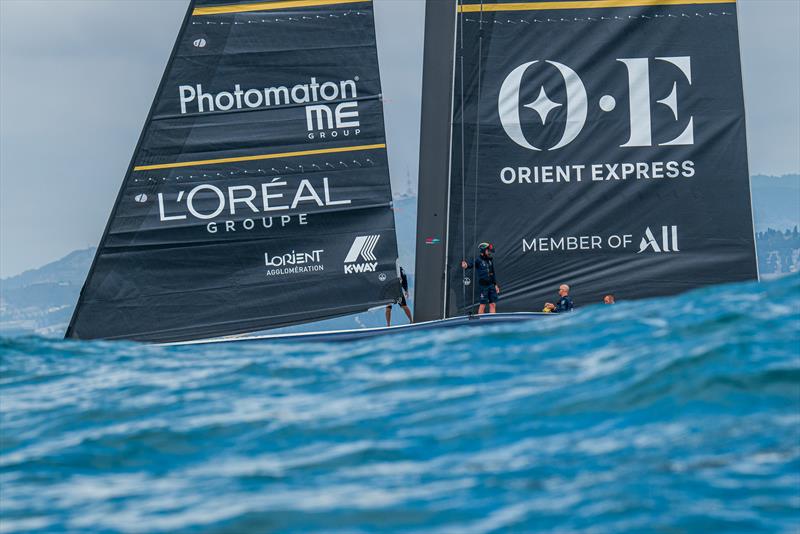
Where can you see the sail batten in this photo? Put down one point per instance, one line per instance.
(274, 5)
(581, 4)
(259, 157)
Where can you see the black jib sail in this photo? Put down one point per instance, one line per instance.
(259, 193)
(595, 143)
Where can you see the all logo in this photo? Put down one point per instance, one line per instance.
(665, 240)
(578, 101)
(361, 257)
(668, 242)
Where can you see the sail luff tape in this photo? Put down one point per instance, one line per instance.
(583, 4)
(270, 6)
(237, 159)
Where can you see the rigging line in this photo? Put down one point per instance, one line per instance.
(463, 174)
(451, 95)
(477, 146)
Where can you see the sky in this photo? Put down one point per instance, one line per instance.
(77, 78)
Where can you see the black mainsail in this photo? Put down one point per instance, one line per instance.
(258, 195)
(598, 143)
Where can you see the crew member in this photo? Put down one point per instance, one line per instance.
(484, 272)
(401, 302)
(564, 304)
(609, 299)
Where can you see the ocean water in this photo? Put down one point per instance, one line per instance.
(670, 415)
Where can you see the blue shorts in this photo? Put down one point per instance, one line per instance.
(488, 295)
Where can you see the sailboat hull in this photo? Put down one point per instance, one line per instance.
(366, 333)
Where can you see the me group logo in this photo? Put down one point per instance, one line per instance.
(331, 107)
(577, 102)
(361, 256)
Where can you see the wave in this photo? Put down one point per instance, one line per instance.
(670, 414)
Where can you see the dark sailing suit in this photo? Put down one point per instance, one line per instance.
(404, 284)
(565, 304)
(484, 272)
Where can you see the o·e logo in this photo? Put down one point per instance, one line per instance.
(639, 91)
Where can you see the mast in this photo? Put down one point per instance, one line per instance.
(434, 161)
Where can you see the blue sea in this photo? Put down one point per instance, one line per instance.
(668, 415)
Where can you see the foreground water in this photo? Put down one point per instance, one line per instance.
(673, 415)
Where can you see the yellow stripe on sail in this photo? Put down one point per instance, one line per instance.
(270, 6)
(582, 4)
(316, 152)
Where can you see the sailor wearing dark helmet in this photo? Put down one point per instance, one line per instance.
(485, 275)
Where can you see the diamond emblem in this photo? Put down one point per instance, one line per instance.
(543, 105)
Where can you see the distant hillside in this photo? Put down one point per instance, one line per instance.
(776, 208)
(72, 268)
(776, 201)
(779, 252)
(41, 300)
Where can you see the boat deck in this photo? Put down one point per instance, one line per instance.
(366, 333)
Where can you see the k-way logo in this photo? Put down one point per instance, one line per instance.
(364, 248)
(577, 102)
(331, 108)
